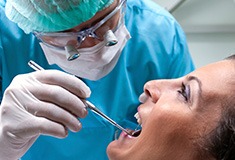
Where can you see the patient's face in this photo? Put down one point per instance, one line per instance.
(175, 114)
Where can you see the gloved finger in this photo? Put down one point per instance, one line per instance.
(60, 97)
(43, 126)
(54, 113)
(67, 81)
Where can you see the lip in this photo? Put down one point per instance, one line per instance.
(138, 109)
(125, 141)
(124, 137)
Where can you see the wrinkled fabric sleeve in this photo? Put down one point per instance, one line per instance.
(158, 41)
(182, 62)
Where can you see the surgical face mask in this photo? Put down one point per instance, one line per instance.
(94, 62)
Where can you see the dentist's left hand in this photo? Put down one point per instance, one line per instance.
(47, 102)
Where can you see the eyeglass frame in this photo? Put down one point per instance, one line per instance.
(90, 32)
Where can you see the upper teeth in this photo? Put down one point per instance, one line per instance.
(137, 116)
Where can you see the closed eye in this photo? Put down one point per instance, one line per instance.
(185, 92)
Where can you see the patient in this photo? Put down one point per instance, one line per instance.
(190, 118)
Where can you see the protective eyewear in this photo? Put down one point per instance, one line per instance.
(71, 41)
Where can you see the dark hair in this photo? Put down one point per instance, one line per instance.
(231, 57)
(221, 141)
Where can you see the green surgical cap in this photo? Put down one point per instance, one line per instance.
(52, 15)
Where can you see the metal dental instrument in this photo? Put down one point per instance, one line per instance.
(34, 65)
(101, 114)
(88, 104)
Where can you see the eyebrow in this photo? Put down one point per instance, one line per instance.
(199, 82)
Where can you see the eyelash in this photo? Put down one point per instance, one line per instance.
(183, 92)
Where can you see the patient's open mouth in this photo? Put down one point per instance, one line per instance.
(131, 133)
(136, 133)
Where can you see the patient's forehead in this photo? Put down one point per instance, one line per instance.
(221, 73)
(218, 79)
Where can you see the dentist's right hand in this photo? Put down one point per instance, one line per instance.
(44, 102)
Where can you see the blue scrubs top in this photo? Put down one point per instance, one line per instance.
(156, 50)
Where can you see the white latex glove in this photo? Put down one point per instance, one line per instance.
(43, 102)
